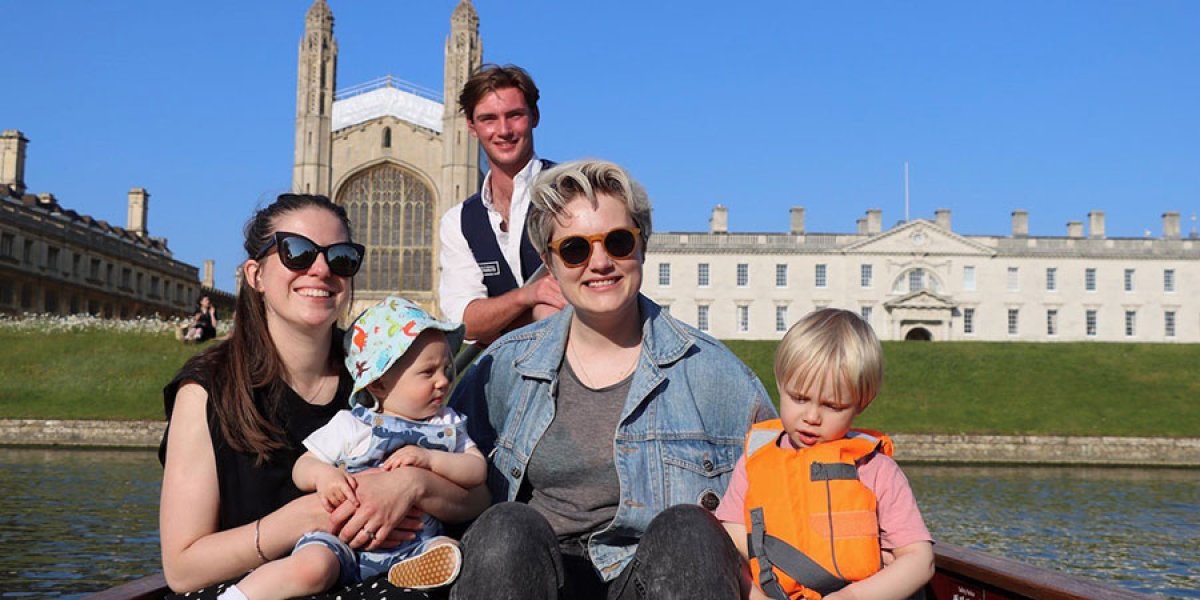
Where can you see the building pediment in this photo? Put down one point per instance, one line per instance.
(919, 237)
(921, 300)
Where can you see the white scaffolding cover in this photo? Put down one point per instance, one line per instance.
(398, 103)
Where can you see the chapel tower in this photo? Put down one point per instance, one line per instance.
(464, 56)
(315, 83)
(395, 155)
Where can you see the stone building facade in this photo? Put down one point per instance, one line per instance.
(922, 280)
(392, 153)
(57, 261)
(398, 156)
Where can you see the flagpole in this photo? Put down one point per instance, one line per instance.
(906, 191)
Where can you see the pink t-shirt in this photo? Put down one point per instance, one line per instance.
(900, 522)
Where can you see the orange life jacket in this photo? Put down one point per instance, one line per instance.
(795, 498)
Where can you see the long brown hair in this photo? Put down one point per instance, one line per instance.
(248, 361)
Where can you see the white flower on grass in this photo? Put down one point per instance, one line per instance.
(47, 323)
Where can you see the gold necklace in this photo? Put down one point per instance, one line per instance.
(572, 350)
(321, 387)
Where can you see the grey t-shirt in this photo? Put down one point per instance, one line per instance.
(573, 481)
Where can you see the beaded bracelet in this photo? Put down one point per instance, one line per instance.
(257, 546)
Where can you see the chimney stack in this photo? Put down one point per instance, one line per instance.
(1020, 223)
(942, 217)
(874, 220)
(797, 221)
(719, 223)
(1096, 224)
(861, 224)
(139, 202)
(1075, 229)
(12, 162)
(1170, 225)
(208, 274)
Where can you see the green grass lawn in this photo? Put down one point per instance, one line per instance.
(87, 374)
(944, 387)
(1027, 388)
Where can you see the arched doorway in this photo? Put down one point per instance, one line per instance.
(391, 210)
(918, 334)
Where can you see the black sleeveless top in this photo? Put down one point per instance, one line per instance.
(205, 321)
(249, 491)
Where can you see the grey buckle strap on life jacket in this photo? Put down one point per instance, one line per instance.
(833, 471)
(758, 550)
(774, 552)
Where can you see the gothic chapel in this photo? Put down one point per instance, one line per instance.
(394, 154)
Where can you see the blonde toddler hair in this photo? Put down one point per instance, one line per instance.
(831, 340)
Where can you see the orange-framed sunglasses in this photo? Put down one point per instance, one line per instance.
(575, 250)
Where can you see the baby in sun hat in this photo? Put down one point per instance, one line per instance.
(402, 361)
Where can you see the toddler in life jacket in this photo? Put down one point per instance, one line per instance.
(819, 508)
(403, 365)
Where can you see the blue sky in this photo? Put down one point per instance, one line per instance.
(1058, 108)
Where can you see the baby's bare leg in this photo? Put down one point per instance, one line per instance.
(310, 570)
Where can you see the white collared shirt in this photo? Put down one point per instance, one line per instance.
(461, 277)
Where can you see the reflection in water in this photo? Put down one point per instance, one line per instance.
(76, 521)
(1132, 527)
(80, 521)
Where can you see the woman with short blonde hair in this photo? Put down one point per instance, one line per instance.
(611, 427)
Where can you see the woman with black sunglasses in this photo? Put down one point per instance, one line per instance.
(611, 428)
(238, 412)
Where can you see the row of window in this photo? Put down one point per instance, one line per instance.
(23, 297)
(968, 320)
(918, 279)
(97, 272)
(742, 276)
(1089, 279)
(743, 317)
(1091, 322)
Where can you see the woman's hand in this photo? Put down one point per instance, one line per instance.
(386, 514)
(391, 504)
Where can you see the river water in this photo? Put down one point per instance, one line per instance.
(79, 521)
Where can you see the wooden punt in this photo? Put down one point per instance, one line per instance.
(961, 574)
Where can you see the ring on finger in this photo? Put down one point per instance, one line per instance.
(370, 534)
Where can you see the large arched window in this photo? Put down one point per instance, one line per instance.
(391, 210)
(916, 279)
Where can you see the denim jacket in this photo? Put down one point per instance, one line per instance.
(681, 430)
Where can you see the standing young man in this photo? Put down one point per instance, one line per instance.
(486, 258)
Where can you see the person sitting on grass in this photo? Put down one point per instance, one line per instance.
(204, 322)
(402, 361)
(844, 508)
